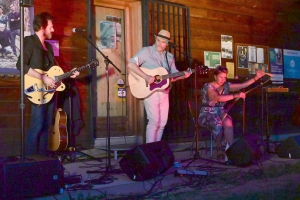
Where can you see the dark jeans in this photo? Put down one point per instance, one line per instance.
(13, 35)
(37, 135)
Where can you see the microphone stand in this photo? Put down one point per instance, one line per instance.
(22, 104)
(197, 154)
(107, 61)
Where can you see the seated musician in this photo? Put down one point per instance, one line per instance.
(212, 115)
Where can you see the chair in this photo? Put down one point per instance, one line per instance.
(204, 132)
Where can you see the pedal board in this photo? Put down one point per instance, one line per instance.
(190, 173)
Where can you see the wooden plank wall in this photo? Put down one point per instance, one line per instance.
(273, 23)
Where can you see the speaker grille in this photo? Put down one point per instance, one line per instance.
(147, 160)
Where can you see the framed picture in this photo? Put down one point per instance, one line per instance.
(212, 59)
(10, 33)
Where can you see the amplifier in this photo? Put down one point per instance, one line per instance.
(34, 176)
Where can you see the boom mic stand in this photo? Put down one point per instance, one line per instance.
(107, 61)
(197, 154)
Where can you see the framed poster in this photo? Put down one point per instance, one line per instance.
(242, 57)
(212, 59)
(10, 33)
(226, 46)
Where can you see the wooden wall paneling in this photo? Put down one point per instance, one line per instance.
(240, 8)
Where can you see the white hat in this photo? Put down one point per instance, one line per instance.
(163, 34)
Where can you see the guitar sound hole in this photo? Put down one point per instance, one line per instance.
(157, 79)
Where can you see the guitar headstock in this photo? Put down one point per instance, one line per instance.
(94, 63)
(202, 69)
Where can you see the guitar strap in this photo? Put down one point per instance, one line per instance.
(167, 62)
(55, 61)
(168, 67)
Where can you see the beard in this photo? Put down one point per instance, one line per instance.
(48, 36)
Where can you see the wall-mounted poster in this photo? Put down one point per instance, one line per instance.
(254, 67)
(10, 33)
(212, 59)
(108, 35)
(291, 60)
(226, 46)
(276, 67)
(251, 53)
(118, 22)
(260, 55)
(242, 56)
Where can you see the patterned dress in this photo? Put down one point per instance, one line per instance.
(211, 111)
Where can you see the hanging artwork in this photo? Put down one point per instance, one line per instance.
(226, 46)
(242, 56)
(108, 35)
(212, 59)
(118, 21)
(10, 33)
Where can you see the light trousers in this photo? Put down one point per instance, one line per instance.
(157, 109)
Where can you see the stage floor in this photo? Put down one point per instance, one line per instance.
(96, 180)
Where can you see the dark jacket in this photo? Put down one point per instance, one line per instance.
(5, 38)
(35, 56)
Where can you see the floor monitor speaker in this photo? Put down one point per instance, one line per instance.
(245, 150)
(34, 176)
(147, 161)
(289, 148)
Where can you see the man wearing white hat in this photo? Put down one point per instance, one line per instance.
(157, 104)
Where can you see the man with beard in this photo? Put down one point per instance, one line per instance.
(38, 54)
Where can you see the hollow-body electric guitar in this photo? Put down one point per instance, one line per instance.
(141, 89)
(58, 139)
(39, 93)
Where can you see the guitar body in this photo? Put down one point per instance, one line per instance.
(141, 89)
(58, 140)
(36, 91)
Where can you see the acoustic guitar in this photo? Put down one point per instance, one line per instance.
(141, 89)
(39, 93)
(58, 139)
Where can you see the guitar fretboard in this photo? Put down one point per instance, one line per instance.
(167, 76)
(67, 74)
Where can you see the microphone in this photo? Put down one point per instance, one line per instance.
(78, 30)
(172, 45)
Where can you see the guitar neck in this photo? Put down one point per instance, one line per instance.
(68, 74)
(167, 76)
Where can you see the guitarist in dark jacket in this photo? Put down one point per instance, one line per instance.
(38, 54)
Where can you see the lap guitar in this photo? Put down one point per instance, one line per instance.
(39, 93)
(141, 89)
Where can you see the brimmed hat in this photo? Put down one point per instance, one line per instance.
(164, 34)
